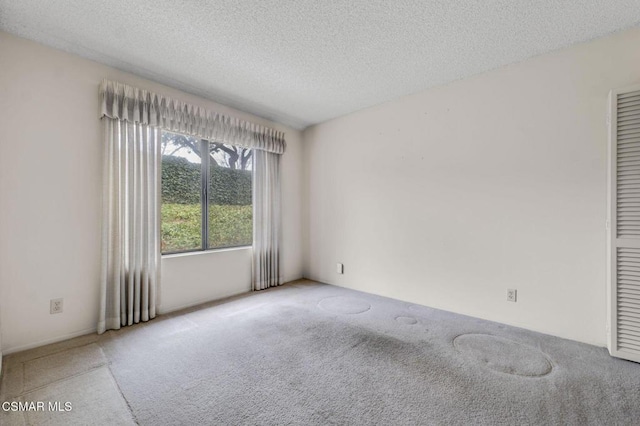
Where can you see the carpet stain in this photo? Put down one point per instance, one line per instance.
(407, 320)
(503, 355)
(344, 305)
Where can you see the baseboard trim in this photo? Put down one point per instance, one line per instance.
(162, 311)
(286, 280)
(57, 339)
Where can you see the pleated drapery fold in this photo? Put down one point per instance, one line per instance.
(131, 104)
(131, 224)
(266, 220)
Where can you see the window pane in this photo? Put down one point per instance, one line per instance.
(181, 193)
(230, 210)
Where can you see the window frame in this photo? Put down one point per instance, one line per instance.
(205, 175)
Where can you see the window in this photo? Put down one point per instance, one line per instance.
(206, 195)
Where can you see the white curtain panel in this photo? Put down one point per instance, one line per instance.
(266, 220)
(131, 224)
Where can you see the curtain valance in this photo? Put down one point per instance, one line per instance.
(124, 102)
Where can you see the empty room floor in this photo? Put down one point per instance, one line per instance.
(310, 353)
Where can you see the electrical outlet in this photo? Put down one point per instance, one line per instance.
(512, 295)
(55, 306)
(340, 268)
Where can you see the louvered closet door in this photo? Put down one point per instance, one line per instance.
(624, 285)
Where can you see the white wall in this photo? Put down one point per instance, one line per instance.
(50, 199)
(448, 197)
(189, 278)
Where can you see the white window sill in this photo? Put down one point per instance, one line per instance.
(204, 252)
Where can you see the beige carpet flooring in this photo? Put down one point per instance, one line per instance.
(308, 353)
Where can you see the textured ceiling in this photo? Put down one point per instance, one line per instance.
(301, 62)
